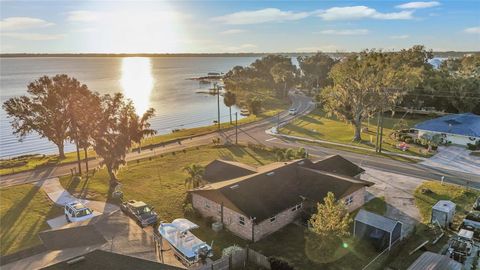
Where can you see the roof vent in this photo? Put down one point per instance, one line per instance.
(234, 186)
(270, 173)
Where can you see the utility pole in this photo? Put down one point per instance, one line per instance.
(278, 121)
(236, 127)
(378, 132)
(381, 132)
(218, 104)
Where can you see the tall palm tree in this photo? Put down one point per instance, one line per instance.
(230, 99)
(195, 175)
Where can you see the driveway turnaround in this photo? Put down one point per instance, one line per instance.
(60, 197)
(454, 158)
(398, 191)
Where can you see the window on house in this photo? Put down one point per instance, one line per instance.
(272, 219)
(241, 221)
(349, 200)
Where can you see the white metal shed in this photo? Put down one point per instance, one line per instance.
(443, 212)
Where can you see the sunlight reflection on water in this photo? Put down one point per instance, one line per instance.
(137, 81)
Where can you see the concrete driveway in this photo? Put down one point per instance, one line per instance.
(60, 197)
(455, 158)
(398, 191)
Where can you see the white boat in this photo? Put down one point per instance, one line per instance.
(186, 246)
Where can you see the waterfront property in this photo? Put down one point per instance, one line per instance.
(255, 202)
(454, 128)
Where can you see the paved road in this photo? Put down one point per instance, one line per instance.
(255, 133)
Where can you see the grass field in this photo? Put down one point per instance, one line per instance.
(24, 211)
(317, 125)
(8, 166)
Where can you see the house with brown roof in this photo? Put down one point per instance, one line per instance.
(255, 202)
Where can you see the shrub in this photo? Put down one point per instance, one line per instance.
(279, 264)
(230, 250)
(473, 147)
(408, 140)
(188, 209)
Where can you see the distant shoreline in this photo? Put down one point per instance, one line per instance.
(337, 54)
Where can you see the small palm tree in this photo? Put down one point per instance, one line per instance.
(195, 175)
(230, 99)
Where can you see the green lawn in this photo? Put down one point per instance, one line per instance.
(376, 205)
(294, 244)
(272, 107)
(462, 197)
(317, 125)
(160, 181)
(24, 211)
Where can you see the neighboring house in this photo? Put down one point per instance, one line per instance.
(105, 260)
(255, 202)
(454, 128)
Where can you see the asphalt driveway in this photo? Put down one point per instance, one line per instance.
(455, 158)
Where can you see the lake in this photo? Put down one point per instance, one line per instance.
(158, 82)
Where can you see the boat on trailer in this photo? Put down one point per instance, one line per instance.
(186, 246)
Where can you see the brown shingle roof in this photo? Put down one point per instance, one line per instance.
(337, 164)
(277, 187)
(220, 170)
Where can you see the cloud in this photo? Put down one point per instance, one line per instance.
(22, 23)
(400, 37)
(345, 32)
(241, 48)
(417, 5)
(260, 16)
(83, 16)
(361, 12)
(33, 36)
(233, 31)
(472, 30)
(85, 30)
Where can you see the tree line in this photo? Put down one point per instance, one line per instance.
(60, 108)
(360, 85)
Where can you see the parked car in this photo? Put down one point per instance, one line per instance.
(292, 111)
(142, 213)
(476, 205)
(472, 219)
(76, 211)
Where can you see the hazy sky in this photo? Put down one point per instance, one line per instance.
(236, 26)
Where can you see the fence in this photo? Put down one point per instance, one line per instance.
(237, 260)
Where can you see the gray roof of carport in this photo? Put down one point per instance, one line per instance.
(375, 220)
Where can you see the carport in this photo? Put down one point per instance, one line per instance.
(381, 231)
